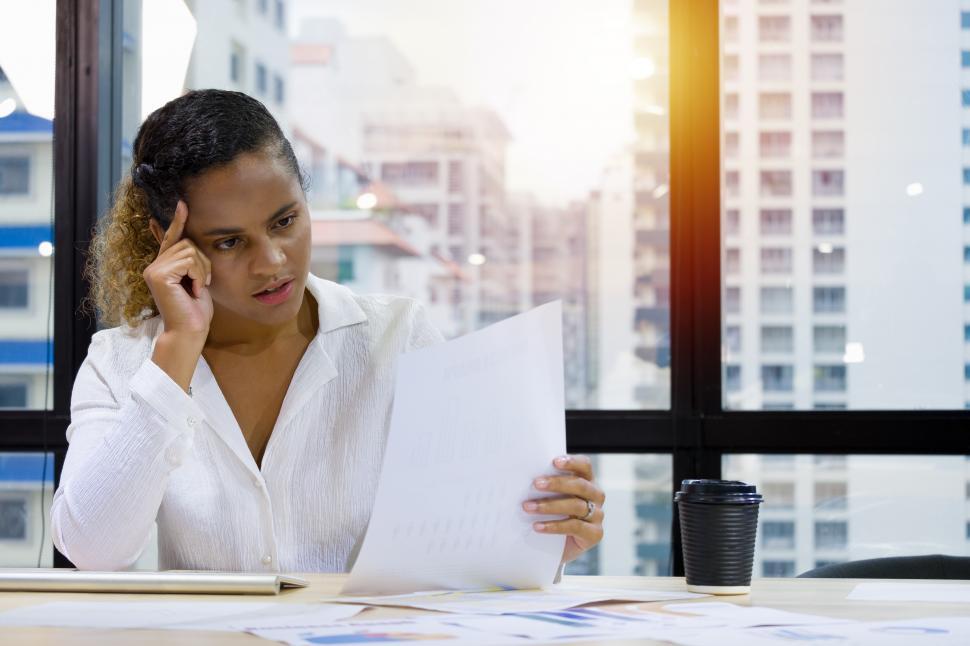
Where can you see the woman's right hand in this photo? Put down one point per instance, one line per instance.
(178, 279)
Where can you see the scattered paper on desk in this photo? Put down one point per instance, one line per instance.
(553, 597)
(738, 616)
(475, 421)
(938, 592)
(177, 615)
(392, 631)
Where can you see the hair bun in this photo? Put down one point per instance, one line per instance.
(142, 174)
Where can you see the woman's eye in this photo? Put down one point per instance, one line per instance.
(226, 245)
(284, 222)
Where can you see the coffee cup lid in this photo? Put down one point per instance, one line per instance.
(718, 491)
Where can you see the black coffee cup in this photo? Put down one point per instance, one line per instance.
(718, 526)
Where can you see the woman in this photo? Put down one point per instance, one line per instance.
(243, 404)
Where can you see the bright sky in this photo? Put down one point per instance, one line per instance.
(556, 71)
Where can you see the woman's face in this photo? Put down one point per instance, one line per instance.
(250, 219)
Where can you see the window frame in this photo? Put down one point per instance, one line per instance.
(696, 431)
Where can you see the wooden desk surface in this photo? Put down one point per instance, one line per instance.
(818, 596)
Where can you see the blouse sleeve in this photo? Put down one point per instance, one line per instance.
(121, 452)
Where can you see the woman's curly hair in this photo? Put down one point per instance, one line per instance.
(198, 131)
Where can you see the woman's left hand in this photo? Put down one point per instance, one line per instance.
(581, 500)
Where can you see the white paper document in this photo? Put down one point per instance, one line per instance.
(938, 592)
(475, 421)
(178, 615)
(749, 616)
(553, 597)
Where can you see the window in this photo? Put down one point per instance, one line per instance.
(410, 173)
(966, 175)
(13, 394)
(966, 293)
(776, 300)
(730, 145)
(13, 519)
(261, 82)
(237, 63)
(774, 105)
(280, 15)
(966, 333)
(732, 222)
(778, 568)
(965, 136)
(965, 19)
(775, 144)
(778, 535)
(828, 300)
(830, 378)
(827, 105)
(730, 29)
(831, 535)
(828, 183)
(777, 378)
(828, 144)
(731, 109)
(732, 338)
(826, 29)
(263, 6)
(966, 254)
(774, 67)
(827, 67)
(775, 222)
(456, 180)
(14, 175)
(828, 221)
(831, 495)
(828, 260)
(774, 29)
(732, 261)
(279, 94)
(965, 98)
(777, 338)
(14, 288)
(732, 300)
(778, 495)
(730, 68)
(965, 58)
(828, 338)
(732, 378)
(776, 183)
(966, 215)
(776, 260)
(732, 183)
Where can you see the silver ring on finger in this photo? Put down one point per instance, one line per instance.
(590, 510)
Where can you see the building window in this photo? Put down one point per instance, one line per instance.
(732, 261)
(829, 406)
(827, 67)
(828, 221)
(456, 219)
(776, 260)
(827, 105)
(828, 144)
(732, 183)
(831, 535)
(778, 568)
(965, 96)
(13, 519)
(732, 378)
(777, 379)
(830, 378)
(280, 15)
(731, 145)
(777, 338)
(14, 288)
(775, 144)
(776, 300)
(261, 81)
(732, 222)
(410, 173)
(831, 495)
(776, 183)
(965, 136)
(263, 6)
(830, 262)
(779, 495)
(731, 109)
(966, 215)
(14, 394)
(279, 90)
(777, 406)
(237, 63)
(966, 255)
(965, 58)
(965, 19)
(778, 534)
(775, 222)
(966, 333)
(732, 338)
(730, 67)
(966, 293)
(827, 29)
(345, 264)
(14, 175)
(828, 300)
(732, 300)
(829, 338)
(730, 29)
(774, 67)
(774, 29)
(456, 177)
(828, 183)
(966, 372)
(774, 105)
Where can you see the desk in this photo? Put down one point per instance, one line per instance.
(818, 596)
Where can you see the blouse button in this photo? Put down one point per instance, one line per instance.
(267, 559)
(190, 421)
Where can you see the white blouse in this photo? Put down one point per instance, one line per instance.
(142, 451)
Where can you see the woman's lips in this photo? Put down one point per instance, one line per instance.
(276, 297)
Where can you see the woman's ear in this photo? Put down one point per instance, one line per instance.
(156, 229)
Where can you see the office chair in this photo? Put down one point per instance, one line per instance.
(931, 566)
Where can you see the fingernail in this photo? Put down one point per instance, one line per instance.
(208, 279)
(530, 506)
(542, 483)
(539, 526)
(562, 461)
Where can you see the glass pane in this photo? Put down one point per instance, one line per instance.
(822, 509)
(26, 491)
(476, 162)
(846, 210)
(26, 205)
(638, 510)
